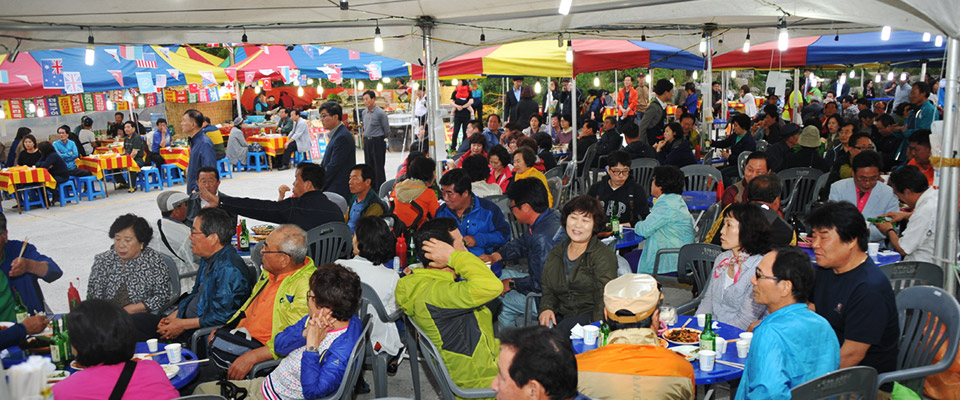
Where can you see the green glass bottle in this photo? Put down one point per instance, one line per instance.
(20, 309)
(604, 332)
(244, 237)
(56, 346)
(708, 338)
(615, 226)
(67, 353)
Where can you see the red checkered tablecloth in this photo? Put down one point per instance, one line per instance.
(177, 156)
(97, 164)
(273, 146)
(9, 178)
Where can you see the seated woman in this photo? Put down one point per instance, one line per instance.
(102, 337)
(16, 146)
(577, 269)
(374, 245)
(477, 143)
(536, 125)
(500, 169)
(415, 201)
(30, 155)
(50, 160)
(545, 150)
(134, 147)
(130, 274)
(669, 224)
(673, 149)
(237, 144)
(745, 237)
(566, 131)
(523, 160)
(316, 349)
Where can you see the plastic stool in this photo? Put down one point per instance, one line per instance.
(223, 165)
(31, 197)
(239, 167)
(171, 174)
(254, 161)
(88, 186)
(68, 193)
(300, 157)
(149, 178)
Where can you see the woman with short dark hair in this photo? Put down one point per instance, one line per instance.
(501, 169)
(745, 237)
(102, 337)
(523, 161)
(30, 155)
(674, 149)
(669, 224)
(526, 107)
(131, 274)
(577, 269)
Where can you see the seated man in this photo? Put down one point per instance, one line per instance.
(850, 292)
(843, 166)
(364, 200)
(622, 197)
(279, 298)
(633, 362)
(919, 153)
(308, 208)
(779, 360)
(23, 273)
(415, 201)
(451, 311)
(765, 191)
(528, 202)
(888, 143)
(209, 178)
(863, 191)
(479, 220)
(175, 234)
(635, 147)
(317, 348)
(757, 164)
(536, 363)
(916, 242)
(223, 283)
(777, 152)
(807, 156)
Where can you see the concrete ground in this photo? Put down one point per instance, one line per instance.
(74, 234)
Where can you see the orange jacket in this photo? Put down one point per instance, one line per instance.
(631, 102)
(634, 366)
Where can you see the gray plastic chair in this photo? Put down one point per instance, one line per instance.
(567, 184)
(762, 145)
(337, 199)
(929, 317)
(555, 172)
(554, 185)
(448, 389)
(330, 242)
(354, 367)
(641, 170)
(799, 190)
(174, 273)
(702, 178)
(742, 161)
(501, 200)
(688, 256)
(698, 267)
(706, 222)
(906, 274)
(585, 170)
(386, 188)
(853, 383)
(378, 362)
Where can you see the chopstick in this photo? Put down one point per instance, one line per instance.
(190, 362)
(24, 247)
(730, 364)
(155, 354)
(685, 323)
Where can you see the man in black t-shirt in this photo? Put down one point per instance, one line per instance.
(850, 292)
(621, 196)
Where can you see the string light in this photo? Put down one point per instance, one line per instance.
(377, 40)
(703, 43)
(746, 43)
(903, 76)
(885, 33)
(415, 85)
(926, 37)
(938, 41)
(537, 88)
(483, 37)
(360, 85)
(596, 80)
(386, 79)
(733, 74)
(695, 75)
(32, 108)
(256, 89)
(110, 105)
(454, 81)
(243, 38)
(565, 7)
(643, 35)
(569, 51)
(877, 78)
(379, 87)
(89, 56)
(890, 76)
(344, 5)
(310, 81)
(783, 40)
(300, 91)
(649, 79)
(853, 74)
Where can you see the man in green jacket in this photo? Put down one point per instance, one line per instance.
(450, 312)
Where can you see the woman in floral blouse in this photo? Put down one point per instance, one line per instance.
(130, 274)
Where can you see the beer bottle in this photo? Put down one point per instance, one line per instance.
(19, 309)
(56, 344)
(708, 338)
(604, 332)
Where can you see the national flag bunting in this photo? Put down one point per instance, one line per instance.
(131, 52)
(145, 82)
(117, 74)
(354, 55)
(52, 71)
(375, 71)
(113, 53)
(161, 80)
(149, 61)
(3, 77)
(72, 82)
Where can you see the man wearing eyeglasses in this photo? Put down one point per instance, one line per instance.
(779, 358)
(341, 154)
(862, 189)
(622, 198)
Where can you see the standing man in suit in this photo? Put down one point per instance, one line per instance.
(513, 98)
(376, 128)
(341, 154)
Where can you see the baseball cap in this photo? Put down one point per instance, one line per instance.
(810, 137)
(171, 199)
(636, 293)
(789, 129)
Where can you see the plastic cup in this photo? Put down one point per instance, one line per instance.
(707, 358)
(173, 353)
(743, 348)
(701, 319)
(720, 346)
(152, 345)
(746, 337)
(873, 249)
(590, 334)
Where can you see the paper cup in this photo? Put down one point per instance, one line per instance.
(743, 348)
(873, 249)
(707, 358)
(701, 319)
(720, 345)
(152, 345)
(173, 353)
(746, 337)
(590, 333)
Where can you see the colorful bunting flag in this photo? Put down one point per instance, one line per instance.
(295, 76)
(334, 74)
(3, 77)
(66, 108)
(170, 95)
(229, 87)
(193, 88)
(76, 103)
(72, 82)
(113, 53)
(52, 70)
(29, 110)
(117, 74)
(24, 78)
(191, 98)
(248, 77)
(354, 55)
(202, 96)
(175, 73)
(207, 78)
(231, 73)
(53, 107)
(123, 105)
(16, 109)
(150, 100)
(267, 84)
(87, 101)
(182, 96)
(100, 102)
(161, 81)
(145, 82)
(285, 73)
(165, 51)
(131, 52)
(149, 61)
(41, 105)
(375, 70)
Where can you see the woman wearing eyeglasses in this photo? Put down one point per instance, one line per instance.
(622, 197)
(745, 238)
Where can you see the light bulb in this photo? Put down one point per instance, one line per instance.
(537, 88)
(89, 56)
(256, 89)
(360, 85)
(926, 36)
(110, 105)
(386, 79)
(903, 76)
(300, 91)
(853, 74)
(379, 87)
(596, 81)
(890, 76)
(703, 44)
(746, 45)
(877, 78)
(733, 74)
(32, 108)
(649, 79)
(319, 91)
(569, 51)
(141, 100)
(565, 7)
(783, 41)
(885, 33)
(454, 81)
(377, 41)
(415, 85)
(310, 81)
(672, 82)
(695, 75)
(843, 79)
(938, 41)
(40, 113)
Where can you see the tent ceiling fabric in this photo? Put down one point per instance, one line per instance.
(674, 23)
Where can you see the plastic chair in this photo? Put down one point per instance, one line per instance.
(438, 369)
(354, 366)
(555, 172)
(171, 174)
(239, 167)
(687, 257)
(378, 362)
(586, 166)
(855, 382)
(554, 185)
(641, 170)
(174, 273)
(699, 269)
(531, 313)
(702, 178)
(31, 197)
(223, 165)
(567, 181)
(906, 274)
(800, 190)
(929, 317)
(254, 159)
(337, 199)
(706, 222)
(386, 188)
(330, 242)
(762, 145)
(301, 156)
(90, 186)
(149, 178)
(68, 192)
(742, 162)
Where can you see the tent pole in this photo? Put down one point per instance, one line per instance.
(436, 129)
(236, 87)
(503, 100)
(796, 106)
(356, 105)
(945, 246)
(573, 124)
(923, 72)
(616, 89)
(706, 120)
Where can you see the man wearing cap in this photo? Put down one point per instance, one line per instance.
(779, 358)
(807, 156)
(175, 234)
(633, 361)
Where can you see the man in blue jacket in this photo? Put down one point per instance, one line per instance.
(201, 147)
(222, 286)
(528, 202)
(341, 153)
(23, 273)
(479, 220)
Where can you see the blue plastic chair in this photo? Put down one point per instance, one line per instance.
(68, 193)
(89, 186)
(171, 174)
(238, 167)
(301, 156)
(223, 165)
(254, 161)
(31, 197)
(149, 178)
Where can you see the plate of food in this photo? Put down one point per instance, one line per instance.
(663, 342)
(171, 370)
(57, 376)
(6, 324)
(75, 365)
(141, 356)
(262, 230)
(689, 352)
(37, 344)
(682, 335)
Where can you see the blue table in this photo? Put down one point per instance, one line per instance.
(186, 374)
(628, 238)
(696, 200)
(720, 373)
(881, 259)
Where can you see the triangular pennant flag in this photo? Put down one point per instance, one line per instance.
(207, 78)
(231, 73)
(320, 49)
(248, 77)
(266, 49)
(113, 53)
(266, 72)
(285, 73)
(175, 73)
(117, 74)
(161, 80)
(354, 55)
(165, 51)
(24, 78)
(333, 72)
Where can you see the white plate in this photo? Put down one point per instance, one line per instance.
(689, 352)
(6, 324)
(171, 370)
(57, 376)
(142, 356)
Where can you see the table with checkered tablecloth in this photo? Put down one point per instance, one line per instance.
(179, 156)
(97, 164)
(10, 178)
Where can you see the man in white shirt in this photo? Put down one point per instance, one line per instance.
(299, 139)
(916, 242)
(86, 136)
(175, 235)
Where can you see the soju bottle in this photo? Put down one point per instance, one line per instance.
(19, 309)
(56, 353)
(244, 237)
(604, 332)
(67, 353)
(615, 226)
(708, 338)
